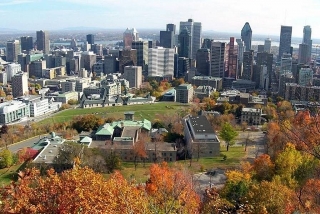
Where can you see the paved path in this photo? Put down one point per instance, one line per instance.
(25, 143)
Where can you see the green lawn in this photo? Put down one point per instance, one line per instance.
(8, 174)
(142, 111)
(234, 156)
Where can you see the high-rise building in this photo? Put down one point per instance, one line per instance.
(19, 84)
(171, 27)
(203, 61)
(194, 29)
(184, 49)
(183, 66)
(286, 64)
(167, 37)
(3, 78)
(231, 60)
(127, 57)
(305, 76)
(267, 45)
(142, 53)
(217, 59)
(129, 36)
(206, 43)
(303, 53)
(26, 43)
(88, 59)
(307, 40)
(43, 43)
(134, 75)
(260, 48)
(285, 41)
(247, 65)
(246, 36)
(12, 69)
(13, 50)
(110, 64)
(265, 59)
(90, 39)
(36, 68)
(160, 61)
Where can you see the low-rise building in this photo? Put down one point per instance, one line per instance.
(214, 82)
(65, 97)
(252, 116)
(201, 139)
(184, 93)
(243, 85)
(203, 91)
(13, 111)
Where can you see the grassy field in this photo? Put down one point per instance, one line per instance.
(8, 174)
(234, 156)
(143, 111)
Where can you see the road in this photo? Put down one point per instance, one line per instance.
(255, 143)
(23, 144)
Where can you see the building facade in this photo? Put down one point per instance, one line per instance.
(251, 116)
(20, 84)
(160, 62)
(184, 93)
(134, 75)
(13, 50)
(43, 42)
(285, 41)
(246, 36)
(217, 59)
(194, 29)
(13, 111)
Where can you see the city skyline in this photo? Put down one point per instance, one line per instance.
(227, 16)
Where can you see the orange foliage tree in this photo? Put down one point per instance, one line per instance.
(171, 191)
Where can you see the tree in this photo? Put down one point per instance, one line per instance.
(4, 129)
(79, 190)
(228, 134)
(139, 152)
(171, 191)
(86, 123)
(264, 168)
(113, 162)
(6, 158)
(73, 102)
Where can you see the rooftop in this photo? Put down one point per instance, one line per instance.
(201, 125)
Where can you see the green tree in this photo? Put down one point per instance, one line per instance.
(113, 162)
(228, 134)
(6, 158)
(86, 123)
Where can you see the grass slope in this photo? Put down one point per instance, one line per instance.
(142, 111)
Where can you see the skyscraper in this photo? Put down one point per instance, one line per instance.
(307, 40)
(194, 29)
(203, 61)
(43, 43)
(167, 36)
(160, 62)
(129, 36)
(19, 84)
(285, 41)
(90, 39)
(13, 50)
(246, 36)
(26, 43)
(184, 49)
(267, 45)
(217, 59)
(303, 53)
(142, 53)
(231, 60)
(247, 65)
(134, 75)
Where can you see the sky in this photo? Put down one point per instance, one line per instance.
(265, 17)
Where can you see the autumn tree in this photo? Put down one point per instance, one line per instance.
(86, 122)
(171, 191)
(79, 190)
(6, 158)
(139, 152)
(264, 168)
(228, 134)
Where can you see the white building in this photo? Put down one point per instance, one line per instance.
(38, 105)
(12, 69)
(134, 75)
(12, 111)
(161, 61)
(20, 84)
